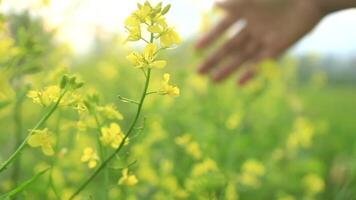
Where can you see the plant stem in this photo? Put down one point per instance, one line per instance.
(133, 124)
(37, 126)
(18, 130)
(102, 154)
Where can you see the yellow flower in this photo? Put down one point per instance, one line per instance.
(41, 138)
(302, 135)
(132, 21)
(134, 33)
(169, 37)
(46, 96)
(110, 112)
(127, 179)
(144, 12)
(89, 156)
(193, 149)
(252, 170)
(204, 167)
(183, 140)
(112, 136)
(313, 184)
(253, 167)
(167, 89)
(147, 59)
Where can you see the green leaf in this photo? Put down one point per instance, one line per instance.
(23, 186)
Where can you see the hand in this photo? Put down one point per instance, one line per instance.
(272, 26)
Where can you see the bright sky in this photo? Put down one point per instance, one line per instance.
(81, 19)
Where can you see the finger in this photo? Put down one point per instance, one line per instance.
(232, 45)
(246, 77)
(249, 52)
(216, 32)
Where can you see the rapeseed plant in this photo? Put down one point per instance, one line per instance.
(150, 18)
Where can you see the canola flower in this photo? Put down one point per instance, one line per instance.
(112, 136)
(166, 88)
(147, 59)
(110, 112)
(127, 179)
(90, 156)
(313, 184)
(45, 97)
(252, 171)
(192, 148)
(151, 19)
(42, 138)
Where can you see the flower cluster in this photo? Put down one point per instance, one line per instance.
(90, 156)
(46, 96)
(152, 19)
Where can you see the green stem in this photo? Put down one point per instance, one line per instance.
(102, 154)
(18, 130)
(37, 126)
(133, 124)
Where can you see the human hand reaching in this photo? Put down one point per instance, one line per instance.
(272, 26)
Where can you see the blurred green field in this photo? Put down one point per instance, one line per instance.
(286, 135)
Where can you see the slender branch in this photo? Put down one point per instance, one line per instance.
(37, 126)
(107, 161)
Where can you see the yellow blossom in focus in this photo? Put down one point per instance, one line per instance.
(90, 157)
(166, 88)
(126, 179)
(42, 138)
(112, 136)
(147, 59)
(313, 184)
(134, 33)
(169, 37)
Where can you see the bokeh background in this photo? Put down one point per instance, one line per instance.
(289, 134)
